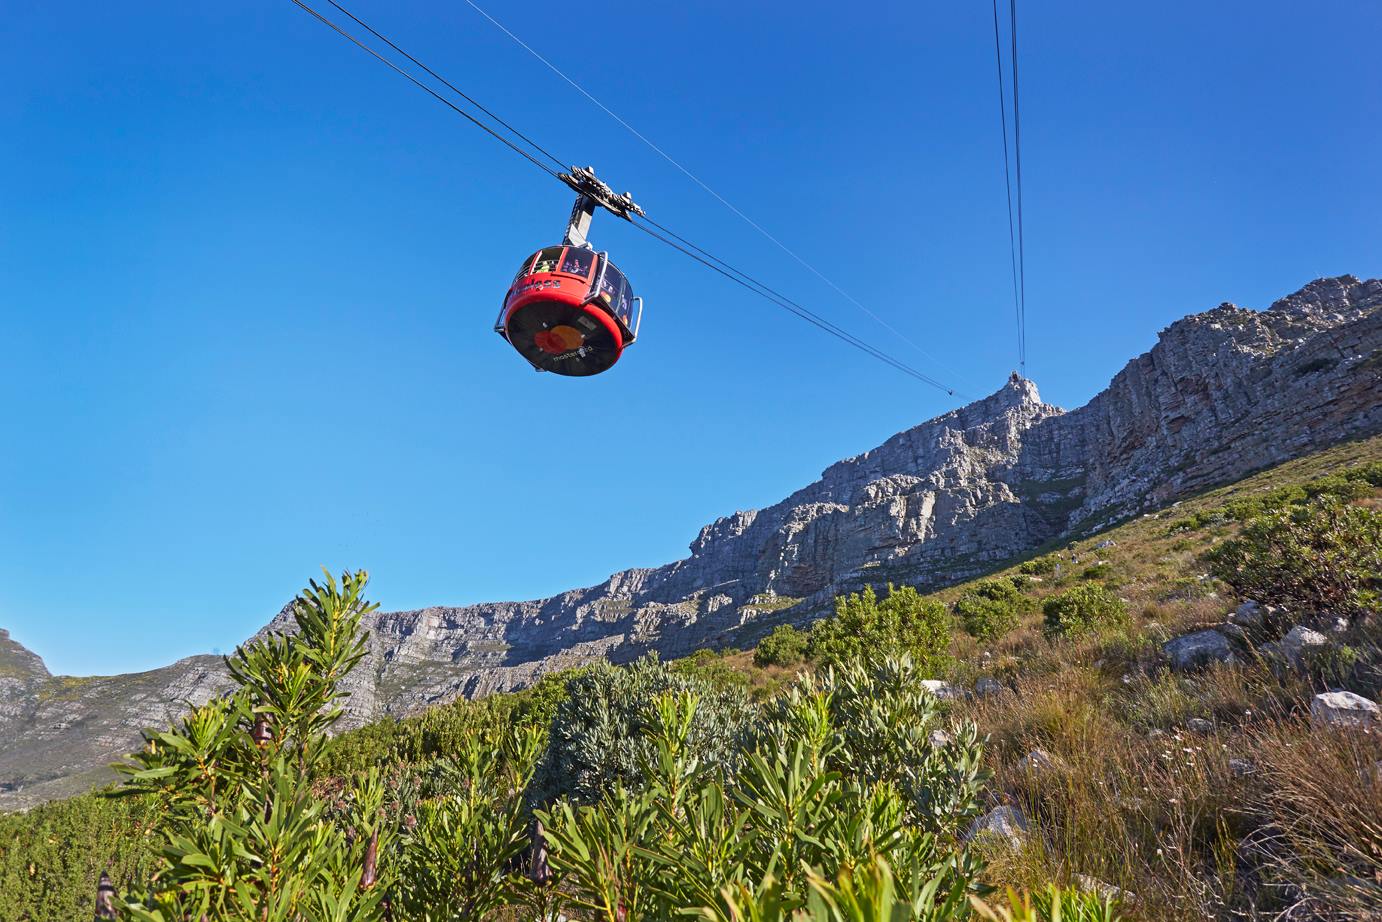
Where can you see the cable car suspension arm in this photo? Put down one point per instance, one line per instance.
(592, 192)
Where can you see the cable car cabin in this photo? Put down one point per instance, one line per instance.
(570, 311)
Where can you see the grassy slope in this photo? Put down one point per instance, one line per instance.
(1160, 814)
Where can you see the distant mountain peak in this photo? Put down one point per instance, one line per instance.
(18, 661)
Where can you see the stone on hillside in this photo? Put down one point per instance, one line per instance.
(939, 738)
(1200, 725)
(1233, 632)
(1107, 890)
(1240, 768)
(1035, 761)
(1344, 709)
(987, 687)
(1006, 823)
(943, 690)
(1300, 642)
(1107, 542)
(1197, 650)
(1249, 614)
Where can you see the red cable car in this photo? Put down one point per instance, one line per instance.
(569, 309)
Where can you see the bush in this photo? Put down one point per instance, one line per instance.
(990, 609)
(784, 646)
(1082, 609)
(600, 736)
(904, 622)
(1039, 566)
(842, 797)
(1323, 556)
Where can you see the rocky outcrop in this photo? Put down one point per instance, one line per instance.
(1220, 395)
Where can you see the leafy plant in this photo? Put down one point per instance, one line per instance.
(1325, 555)
(904, 622)
(1082, 609)
(784, 646)
(991, 609)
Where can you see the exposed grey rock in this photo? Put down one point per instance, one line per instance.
(1344, 709)
(1007, 824)
(1197, 650)
(1249, 615)
(1233, 632)
(1104, 889)
(1106, 543)
(1200, 725)
(1035, 761)
(987, 687)
(939, 738)
(1241, 768)
(943, 690)
(1220, 395)
(1300, 643)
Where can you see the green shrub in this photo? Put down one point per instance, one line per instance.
(904, 622)
(1039, 566)
(1082, 609)
(784, 646)
(713, 667)
(1100, 570)
(836, 805)
(1324, 556)
(600, 737)
(990, 609)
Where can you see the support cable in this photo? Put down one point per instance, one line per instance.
(653, 229)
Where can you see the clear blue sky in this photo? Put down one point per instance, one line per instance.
(247, 275)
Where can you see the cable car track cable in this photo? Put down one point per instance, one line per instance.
(671, 239)
(429, 90)
(1007, 183)
(1017, 151)
(713, 262)
(698, 181)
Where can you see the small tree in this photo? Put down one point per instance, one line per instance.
(1085, 608)
(784, 646)
(246, 837)
(1324, 555)
(991, 609)
(904, 622)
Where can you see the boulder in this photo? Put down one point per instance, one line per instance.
(987, 687)
(1249, 614)
(939, 738)
(1241, 768)
(1197, 650)
(1006, 823)
(1036, 761)
(1107, 890)
(1299, 643)
(1344, 709)
(1200, 725)
(943, 690)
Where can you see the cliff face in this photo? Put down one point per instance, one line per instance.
(1221, 394)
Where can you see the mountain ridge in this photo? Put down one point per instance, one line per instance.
(1221, 394)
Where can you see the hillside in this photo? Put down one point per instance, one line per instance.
(1221, 394)
(1191, 790)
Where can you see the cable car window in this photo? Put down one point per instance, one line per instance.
(611, 284)
(577, 261)
(523, 269)
(547, 260)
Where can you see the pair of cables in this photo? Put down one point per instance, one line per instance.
(515, 140)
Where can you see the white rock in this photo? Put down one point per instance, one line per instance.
(1299, 642)
(1007, 823)
(1344, 709)
(943, 690)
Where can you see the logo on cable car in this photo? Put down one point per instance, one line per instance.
(537, 286)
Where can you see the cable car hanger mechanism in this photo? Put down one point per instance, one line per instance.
(591, 191)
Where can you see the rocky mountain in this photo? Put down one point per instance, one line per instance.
(1221, 394)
